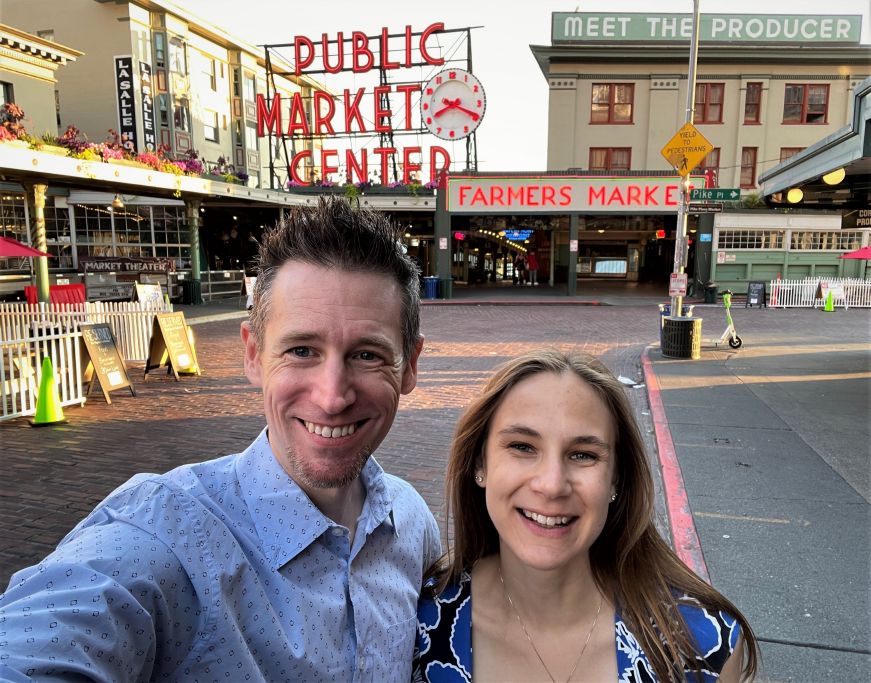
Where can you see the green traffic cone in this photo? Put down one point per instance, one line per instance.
(830, 303)
(48, 407)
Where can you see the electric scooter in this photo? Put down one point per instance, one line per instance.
(729, 334)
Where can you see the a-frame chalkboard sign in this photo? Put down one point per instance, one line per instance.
(171, 346)
(756, 295)
(103, 363)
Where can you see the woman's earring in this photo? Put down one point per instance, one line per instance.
(613, 497)
(479, 478)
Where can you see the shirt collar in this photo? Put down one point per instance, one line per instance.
(283, 516)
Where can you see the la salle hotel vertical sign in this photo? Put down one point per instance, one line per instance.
(126, 93)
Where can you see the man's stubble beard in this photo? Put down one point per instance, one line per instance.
(306, 478)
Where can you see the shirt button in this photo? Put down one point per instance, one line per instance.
(337, 531)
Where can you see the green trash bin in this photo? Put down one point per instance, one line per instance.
(191, 292)
(710, 293)
(446, 288)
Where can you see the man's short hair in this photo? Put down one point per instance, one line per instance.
(332, 234)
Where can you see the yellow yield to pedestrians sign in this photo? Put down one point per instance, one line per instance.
(686, 149)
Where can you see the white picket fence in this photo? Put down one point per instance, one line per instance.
(803, 293)
(31, 332)
(21, 368)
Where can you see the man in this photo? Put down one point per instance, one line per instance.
(298, 559)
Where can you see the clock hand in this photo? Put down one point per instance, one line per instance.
(475, 116)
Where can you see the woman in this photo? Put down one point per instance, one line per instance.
(551, 500)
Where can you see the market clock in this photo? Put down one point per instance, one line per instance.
(452, 104)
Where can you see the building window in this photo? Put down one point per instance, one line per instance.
(750, 239)
(748, 166)
(251, 138)
(163, 109)
(610, 158)
(210, 125)
(709, 103)
(7, 93)
(211, 72)
(160, 50)
(711, 162)
(806, 104)
(177, 58)
(825, 240)
(250, 88)
(612, 103)
(181, 115)
(789, 152)
(753, 103)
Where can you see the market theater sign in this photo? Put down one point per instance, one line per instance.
(566, 194)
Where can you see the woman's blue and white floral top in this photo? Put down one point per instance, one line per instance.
(443, 653)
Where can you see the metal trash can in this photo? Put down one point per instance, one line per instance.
(191, 292)
(430, 287)
(446, 288)
(710, 293)
(682, 337)
(665, 309)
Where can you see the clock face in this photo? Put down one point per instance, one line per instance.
(452, 104)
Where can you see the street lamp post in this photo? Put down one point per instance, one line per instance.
(680, 240)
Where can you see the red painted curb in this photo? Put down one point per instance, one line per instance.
(683, 527)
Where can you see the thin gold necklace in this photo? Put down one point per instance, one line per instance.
(529, 637)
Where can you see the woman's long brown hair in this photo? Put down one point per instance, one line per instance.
(630, 560)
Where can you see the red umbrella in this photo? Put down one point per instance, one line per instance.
(10, 248)
(863, 254)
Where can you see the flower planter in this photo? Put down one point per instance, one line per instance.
(20, 144)
(57, 150)
(128, 162)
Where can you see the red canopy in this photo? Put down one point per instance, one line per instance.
(10, 248)
(863, 254)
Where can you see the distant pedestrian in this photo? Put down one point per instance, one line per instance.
(532, 265)
(520, 268)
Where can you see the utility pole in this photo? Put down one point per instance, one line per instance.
(680, 239)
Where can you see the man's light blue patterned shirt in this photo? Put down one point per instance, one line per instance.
(225, 571)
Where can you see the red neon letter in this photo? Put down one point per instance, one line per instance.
(427, 32)
(596, 194)
(385, 53)
(352, 165)
(670, 191)
(352, 110)
(407, 47)
(360, 47)
(323, 119)
(434, 167)
(463, 191)
(294, 165)
(326, 169)
(297, 116)
(268, 118)
(382, 116)
(565, 193)
(340, 57)
(407, 90)
(409, 165)
(384, 153)
(302, 62)
(548, 192)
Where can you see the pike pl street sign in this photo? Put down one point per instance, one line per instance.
(705, 208)
(715, 194)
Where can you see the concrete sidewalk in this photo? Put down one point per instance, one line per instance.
(773, 446)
